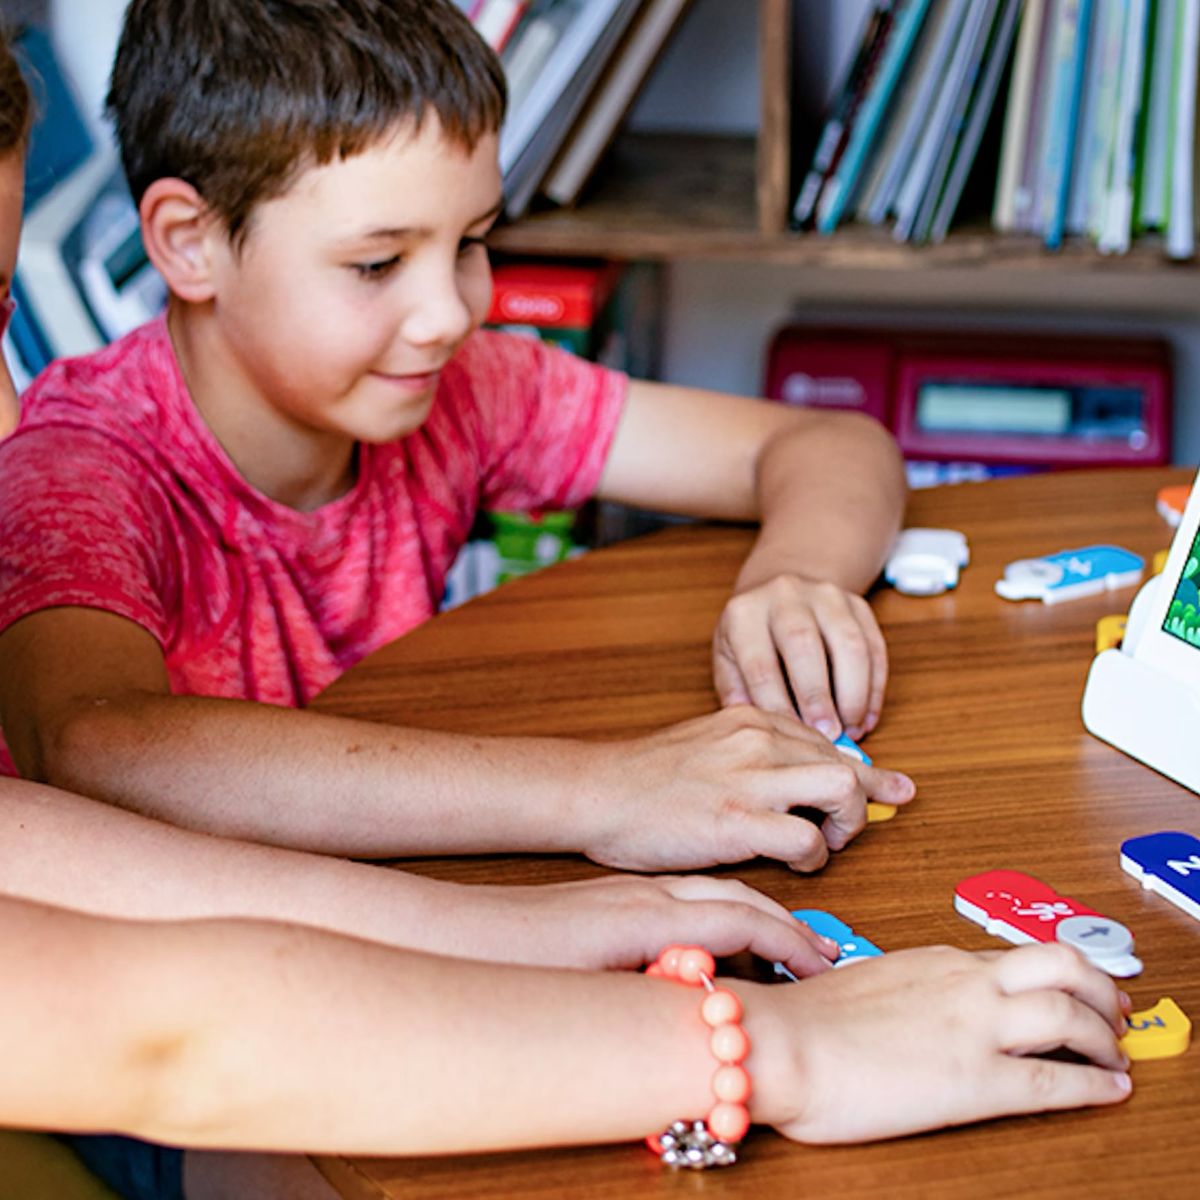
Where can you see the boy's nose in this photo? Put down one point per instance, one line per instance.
(440, 316)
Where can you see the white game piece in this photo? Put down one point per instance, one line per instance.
(926, 562)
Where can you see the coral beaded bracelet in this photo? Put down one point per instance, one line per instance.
(710, 1142)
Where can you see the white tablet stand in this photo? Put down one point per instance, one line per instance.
(1141, 709)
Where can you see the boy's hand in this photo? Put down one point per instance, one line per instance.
(924, 1038)
(806, 635)
(718, 789)
(625, 922)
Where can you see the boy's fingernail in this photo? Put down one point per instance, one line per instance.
(1122, 1080)
(828, 728)
(1125, 1002)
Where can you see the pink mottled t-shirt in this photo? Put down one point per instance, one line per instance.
(115, 495)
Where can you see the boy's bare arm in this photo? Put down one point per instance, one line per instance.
(85, 705)
(829, 491)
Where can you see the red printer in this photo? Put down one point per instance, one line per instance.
(1014, 398)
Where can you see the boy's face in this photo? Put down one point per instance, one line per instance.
(12, 177)
(353, 289)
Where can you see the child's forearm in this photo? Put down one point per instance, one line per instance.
(830, 504)
(245, 1035)
(308, 781)
(60, 849)
(242, 1035)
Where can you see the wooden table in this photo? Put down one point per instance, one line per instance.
(982, 711)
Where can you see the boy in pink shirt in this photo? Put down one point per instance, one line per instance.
(238, 1033)
(206, 523)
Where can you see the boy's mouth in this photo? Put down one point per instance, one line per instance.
(413, 380)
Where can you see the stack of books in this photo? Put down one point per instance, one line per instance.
(1093, 102)
(574, 68)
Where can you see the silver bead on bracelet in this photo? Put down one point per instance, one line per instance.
(689, 1144)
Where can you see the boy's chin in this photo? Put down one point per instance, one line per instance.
(380, 433)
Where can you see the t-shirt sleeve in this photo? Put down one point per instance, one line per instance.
(77, 528)
(544, 420)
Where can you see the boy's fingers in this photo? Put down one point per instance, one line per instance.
(877, 652)
(844, 644)
(752, 653)
(888, 787)
(727, 679)
(805, 656)
(791, 840)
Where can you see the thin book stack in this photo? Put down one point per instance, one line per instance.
(1101, 142)
(574, 68)
(1093, 101)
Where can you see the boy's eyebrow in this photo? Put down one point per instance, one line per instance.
(380, 235)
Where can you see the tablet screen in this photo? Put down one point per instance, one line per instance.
(1182, 618)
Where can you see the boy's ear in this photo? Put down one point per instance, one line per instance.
(178, 230)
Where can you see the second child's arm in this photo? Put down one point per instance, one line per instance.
(61, 849)
(85, 705)
(245, 1035)
(828, 490)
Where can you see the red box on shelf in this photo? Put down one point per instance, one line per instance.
(551, 295)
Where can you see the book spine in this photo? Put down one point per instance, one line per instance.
(935, 46)
(1156, 168)
(982, 105)
(837, 193)
(1073, 46)
(1181, 232)
(1104, 132)
(1076, 221)
(922, 222)
(1016, 119)
(939, 131)
(1118, 208)
(836, 127)
(1026, 200)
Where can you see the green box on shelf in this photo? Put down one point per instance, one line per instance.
(525, 542)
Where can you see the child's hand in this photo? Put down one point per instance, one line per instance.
(718, 789)
(800, 632)
(920, 1039)
(626, 921)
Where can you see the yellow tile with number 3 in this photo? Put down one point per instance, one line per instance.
(1160, 1032)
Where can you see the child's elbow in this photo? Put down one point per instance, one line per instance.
(77, 748)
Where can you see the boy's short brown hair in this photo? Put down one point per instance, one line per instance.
(237, 96)
(14, 100)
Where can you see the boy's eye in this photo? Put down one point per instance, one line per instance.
(377, 270)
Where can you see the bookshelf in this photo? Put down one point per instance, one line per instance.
(694, 197)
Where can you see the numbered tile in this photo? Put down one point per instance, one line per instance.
(1167, 864)
(1160, 1032)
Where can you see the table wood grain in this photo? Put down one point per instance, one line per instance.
(982, 711)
